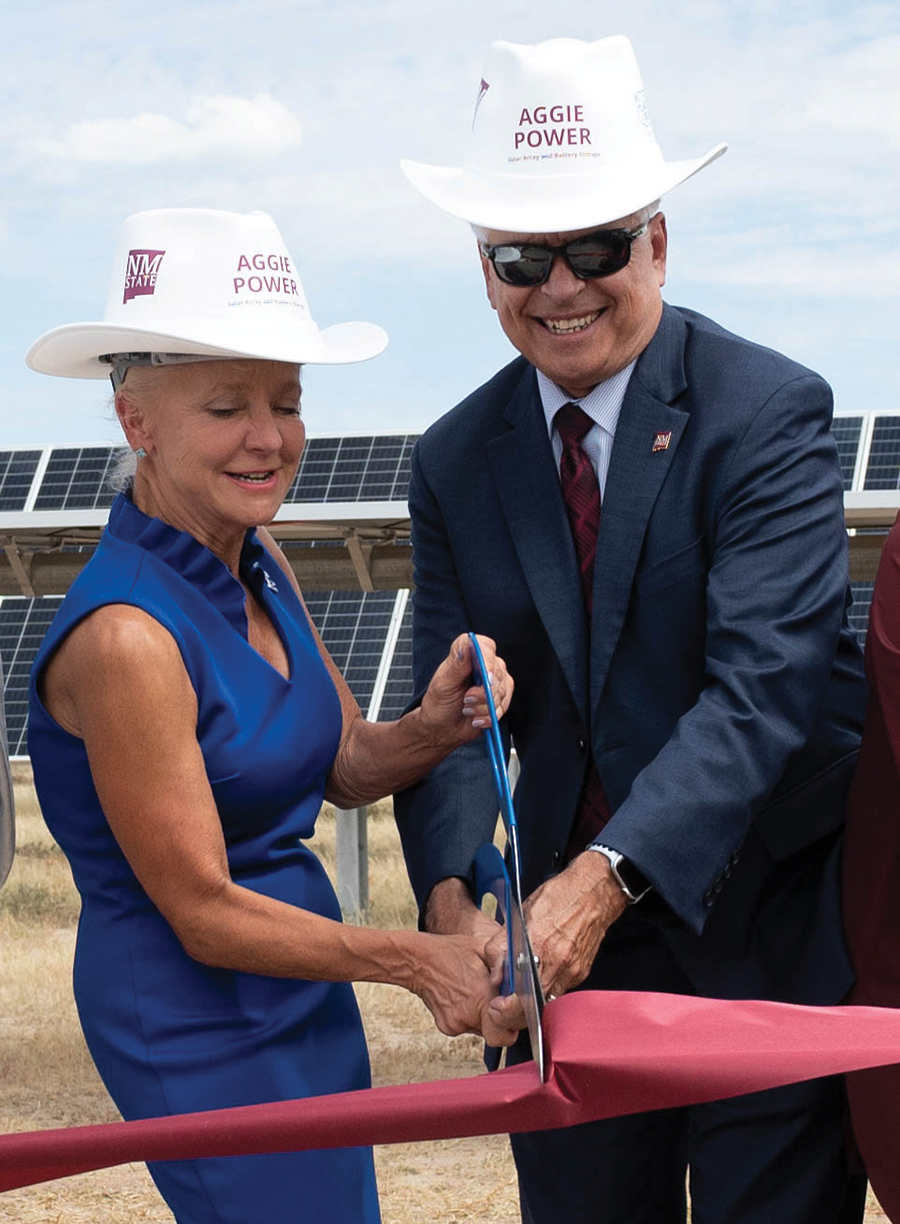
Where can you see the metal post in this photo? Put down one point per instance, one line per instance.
(353, 861)
(352, 829)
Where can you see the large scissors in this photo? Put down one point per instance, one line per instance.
(491, 875)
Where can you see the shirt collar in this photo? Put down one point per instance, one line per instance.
(190, 559)
(602, 405)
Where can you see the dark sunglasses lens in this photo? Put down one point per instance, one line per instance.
(522, 265)
(599, 254)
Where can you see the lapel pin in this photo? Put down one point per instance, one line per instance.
(662, 440)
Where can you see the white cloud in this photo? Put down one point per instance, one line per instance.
(858, 273)
(792, 238)
(220, 125)
(858, 95)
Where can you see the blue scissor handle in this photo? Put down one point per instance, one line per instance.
(494, 741)
(498, 766)
(492, 877)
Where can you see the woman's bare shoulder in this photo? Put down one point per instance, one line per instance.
(116, 648)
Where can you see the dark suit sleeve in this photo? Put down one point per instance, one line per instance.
(444, 818)
(775, 599)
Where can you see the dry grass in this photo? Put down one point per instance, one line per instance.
(47, 1078)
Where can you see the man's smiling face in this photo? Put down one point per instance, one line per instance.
(581, 332)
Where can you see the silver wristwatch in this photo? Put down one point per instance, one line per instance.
(627, 876)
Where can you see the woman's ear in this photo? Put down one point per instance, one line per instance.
(133, 420)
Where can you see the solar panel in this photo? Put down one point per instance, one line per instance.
(846, 431)
(371, 468)
(350, 466)
(23, 624)
(17, 469)
(77, 478)
(353, 469)
(884, 454)
(354, 626)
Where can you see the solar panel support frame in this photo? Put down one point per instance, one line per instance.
(352, 860)
(361, 556)
(21, 571)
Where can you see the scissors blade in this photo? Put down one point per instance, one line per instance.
(527, 984)
(520, 971)
(524, 979)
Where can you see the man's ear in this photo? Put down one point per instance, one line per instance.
(659, 245)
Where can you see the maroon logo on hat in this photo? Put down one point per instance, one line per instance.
(141, 273)
(481, 92)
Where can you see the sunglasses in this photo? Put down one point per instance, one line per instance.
(602, 253)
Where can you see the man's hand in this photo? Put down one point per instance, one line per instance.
(450, 910)
(567, 918)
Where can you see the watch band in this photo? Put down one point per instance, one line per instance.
(627, 876)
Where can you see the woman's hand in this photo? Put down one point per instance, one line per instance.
(456, 985)
(454, 710)
(376, 759)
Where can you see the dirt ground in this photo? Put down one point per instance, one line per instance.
(47, 1078)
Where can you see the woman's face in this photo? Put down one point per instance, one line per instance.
(223, 440)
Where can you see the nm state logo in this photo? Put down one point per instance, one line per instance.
(140, 273)
(484, 87)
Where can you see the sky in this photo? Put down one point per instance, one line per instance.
(304, 108)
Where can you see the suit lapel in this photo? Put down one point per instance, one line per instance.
(529, 491)
(636, 475)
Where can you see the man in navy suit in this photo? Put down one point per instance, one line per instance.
(687, 713)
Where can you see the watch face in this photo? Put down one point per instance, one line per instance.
(631, 878)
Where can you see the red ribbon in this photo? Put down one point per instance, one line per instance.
(609, 1054)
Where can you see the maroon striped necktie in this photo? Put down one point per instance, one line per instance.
(581, 493)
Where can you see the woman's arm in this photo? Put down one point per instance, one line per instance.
(118, 682)
(376, 759)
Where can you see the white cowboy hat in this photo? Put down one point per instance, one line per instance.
(207, 283)
(561, 139)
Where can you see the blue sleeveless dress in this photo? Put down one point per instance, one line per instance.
(168, 1034)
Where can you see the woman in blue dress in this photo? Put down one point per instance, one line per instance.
(186, 723)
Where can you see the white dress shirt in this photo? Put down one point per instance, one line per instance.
(602, 405)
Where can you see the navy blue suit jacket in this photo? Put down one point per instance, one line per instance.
(721, 691)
